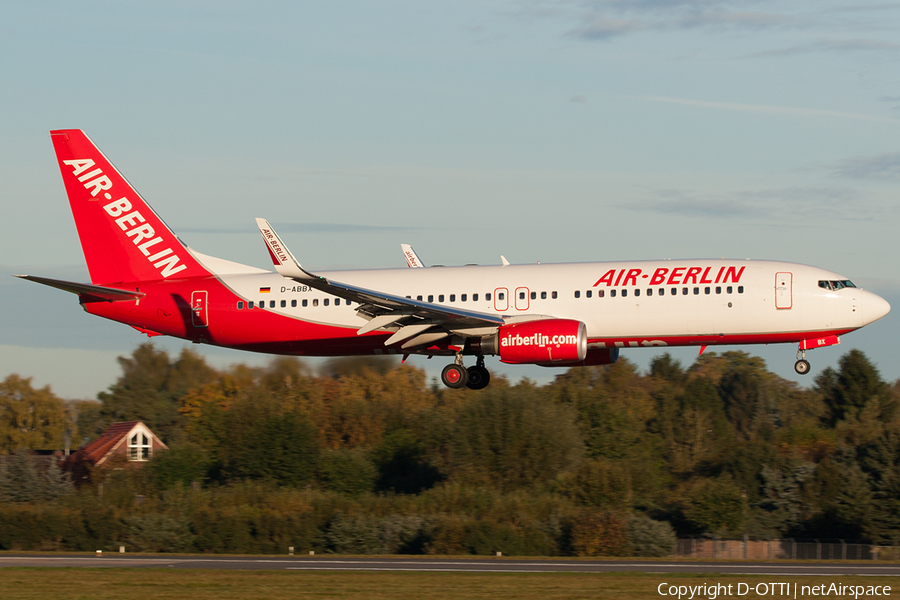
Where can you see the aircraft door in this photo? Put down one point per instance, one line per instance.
(199, 315)
(501, 299)
(784, 290)
(523, 302)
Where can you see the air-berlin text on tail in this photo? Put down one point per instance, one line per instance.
(279, 256)
(671, 276)
(131, 222)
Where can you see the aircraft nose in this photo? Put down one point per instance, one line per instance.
(875, 307)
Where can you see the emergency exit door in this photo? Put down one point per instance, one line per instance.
(784, 290)
(198, 309)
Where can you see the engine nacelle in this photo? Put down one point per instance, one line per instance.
(595, 357)
(538, 342)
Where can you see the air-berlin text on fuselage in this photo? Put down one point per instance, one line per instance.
(671, 276)
(132, 223)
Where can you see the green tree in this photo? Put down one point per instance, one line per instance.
(856, 383)
(30, 418)
(514, 437)
(150, 389)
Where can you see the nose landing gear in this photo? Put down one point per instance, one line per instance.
(456, 375)
(802, 365)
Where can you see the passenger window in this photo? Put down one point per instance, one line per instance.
(305, 303)
(612, 293)
(728, 289)
(662, 291)
(315, 301)
(740, 289)
(649, 291)
(271, 304)
(462, 297)
(283, 303)
(440, 297)
(475, 298)
(487, 296)
(588, 294)
(624, 293)
(250, 304)
(431, 297)
(452, 297)
(577, 293)
(521, 295)
(543, 295)
(684, 291)
(501, 296)
(637, 292)
(718, 289)
(337, 301)
(534, 295)
(674, 291)
(325, 302)
(696, 291)
(293, 304)
(553, 295)
(240, 305)
(706, 290)
(601, 293)
(419, 298)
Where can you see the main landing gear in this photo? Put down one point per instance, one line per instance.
(456, 375)
(802, 365)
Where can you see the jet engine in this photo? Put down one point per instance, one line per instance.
(545, 341)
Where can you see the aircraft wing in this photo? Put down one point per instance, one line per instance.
(88, 291)
(413, 322)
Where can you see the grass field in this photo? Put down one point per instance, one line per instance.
(152, 584)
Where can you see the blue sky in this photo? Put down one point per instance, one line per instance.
(551, 131)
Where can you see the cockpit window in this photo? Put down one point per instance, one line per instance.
(836, 285)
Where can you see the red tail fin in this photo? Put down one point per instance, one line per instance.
(122, 238)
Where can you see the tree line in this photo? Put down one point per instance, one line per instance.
(369, 456)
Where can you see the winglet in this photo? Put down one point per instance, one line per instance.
(504, 261)
(412, 259)
(284, 261)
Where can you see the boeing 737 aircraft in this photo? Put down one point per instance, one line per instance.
(546, 314)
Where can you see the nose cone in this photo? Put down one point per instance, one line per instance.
(874, 307)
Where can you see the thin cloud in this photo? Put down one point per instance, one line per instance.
(880, 167)
(818, 202)
(766, 109)
(306, 228)
(854, 45)
(600, 27)
(607, 20)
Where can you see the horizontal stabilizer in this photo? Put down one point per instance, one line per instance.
(97, 292)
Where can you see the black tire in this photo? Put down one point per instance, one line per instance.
(802, 367)
(454, 376)
(479, 378)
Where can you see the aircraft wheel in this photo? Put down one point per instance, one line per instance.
(802, 367)
(479, 377)
(454, 376)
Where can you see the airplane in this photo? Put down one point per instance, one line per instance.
(561, 315)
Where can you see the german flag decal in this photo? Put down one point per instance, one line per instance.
(265, 290)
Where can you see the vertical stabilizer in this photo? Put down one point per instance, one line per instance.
(123, 239)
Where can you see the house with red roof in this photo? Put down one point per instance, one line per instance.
(131, 442)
